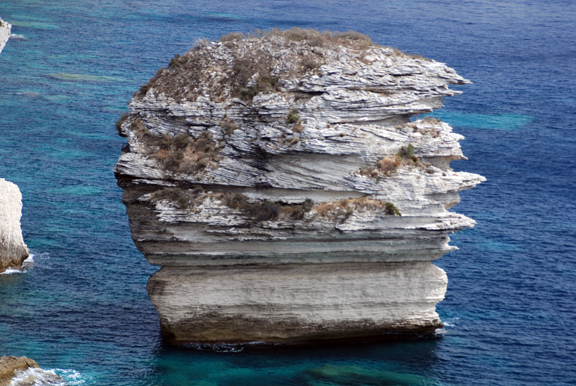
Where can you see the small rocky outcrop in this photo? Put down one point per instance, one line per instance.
(11, 365)
(279, 182)
(5, 29)
(22, 371)
(13, 250)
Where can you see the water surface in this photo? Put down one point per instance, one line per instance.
(83, 310)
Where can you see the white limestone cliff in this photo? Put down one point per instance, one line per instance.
(13, 250)
(280, 184)
(5, 29)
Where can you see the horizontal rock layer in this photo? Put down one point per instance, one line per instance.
(291, 158)
(295, 303)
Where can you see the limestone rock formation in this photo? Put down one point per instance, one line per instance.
(279, 182)
(13, 250)
(5, 29)
(10, 365)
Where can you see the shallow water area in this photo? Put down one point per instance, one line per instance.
(484, 121)
(509, 311)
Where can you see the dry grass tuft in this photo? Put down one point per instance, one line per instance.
(180, 153)
(122, 119)
(265, 210)
(201, 72)
(292, 117)
(252, 75)
(255, 210)
(181, 198)
(228, 125)
(344, 208)
(232, 36)
(387, 166)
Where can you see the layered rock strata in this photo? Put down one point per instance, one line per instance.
(5, 29)
(13, 250)
(280, 184)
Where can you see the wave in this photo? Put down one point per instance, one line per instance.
(29, 262)
(55, 377)
(11, 271)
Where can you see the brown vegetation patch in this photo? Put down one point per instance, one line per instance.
(387, 166)
(265, 210)
(180, 153)
(346, 207)
(297, 211)
(181, 198)
(120, 121)
(189, 76)
(352, 39)
(228, 125)
(256, 210)
(244, 67)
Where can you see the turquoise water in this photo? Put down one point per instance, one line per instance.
(483, 121)
(82, 309)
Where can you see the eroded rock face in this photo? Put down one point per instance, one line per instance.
(281, 186)
(11, 365)
(13, 250)
(5, 29)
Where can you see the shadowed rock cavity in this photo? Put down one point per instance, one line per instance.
(280, 184)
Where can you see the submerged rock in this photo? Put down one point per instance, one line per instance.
(5, 29)
(280, 184)
(13, 250)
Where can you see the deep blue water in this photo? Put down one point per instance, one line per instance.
(510, 308)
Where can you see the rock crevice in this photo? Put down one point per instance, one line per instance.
(279, 181)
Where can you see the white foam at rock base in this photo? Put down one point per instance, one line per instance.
(29, 262)
(53, 377)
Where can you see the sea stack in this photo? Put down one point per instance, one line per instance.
(5, 29)
(13, 250)
(279, 182)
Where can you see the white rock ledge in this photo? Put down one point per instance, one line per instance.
(282, 187)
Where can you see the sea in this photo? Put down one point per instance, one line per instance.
(80, 308)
